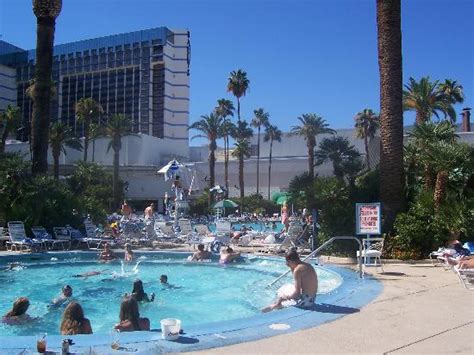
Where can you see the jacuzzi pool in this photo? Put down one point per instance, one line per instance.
(208, 298)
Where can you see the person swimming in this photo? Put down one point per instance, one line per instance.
(228, 255)
(65, 297)
(88, 273)
(107, 254)
(128, 256)
(201, 254)
(17, 315)
(139, 294)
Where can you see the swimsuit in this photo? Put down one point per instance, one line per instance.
(305, 301)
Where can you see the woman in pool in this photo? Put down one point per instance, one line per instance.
(107, 254)
(139, 294)
(17, 315)
(74, 321)
(128, 257)
(130, 320)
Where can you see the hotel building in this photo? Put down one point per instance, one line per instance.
(143, 74)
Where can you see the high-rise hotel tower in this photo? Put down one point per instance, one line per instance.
(143, 74)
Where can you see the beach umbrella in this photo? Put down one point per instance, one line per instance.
(225, 204)
(218, 189)
(281, 198)
(172, 168)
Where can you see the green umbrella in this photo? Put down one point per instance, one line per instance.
(280, 198)
(225, 204)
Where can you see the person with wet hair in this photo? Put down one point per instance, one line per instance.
(138, 293)
(130, 320)
(18, 315)
(74, 321)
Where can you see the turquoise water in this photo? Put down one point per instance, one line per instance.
(200, 293)
(257, 227)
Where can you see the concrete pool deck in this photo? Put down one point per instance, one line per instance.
(422, 309)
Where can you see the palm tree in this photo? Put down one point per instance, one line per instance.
(118, 126)
(428, 98)
(366, 124)
(272, 133)
(9, 119)
(46, 12)
(60, 137)
(339, 151)
(452, 90)
(242, 134)
(224, 109)
(210, 126)
(311, 126)
(425, 135)
(241, 151)
(389, 40)
(260, 119)
(445, 157)
(238, 85)
(87, 112)
(95, 131)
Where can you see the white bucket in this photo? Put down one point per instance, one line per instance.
(170, 328)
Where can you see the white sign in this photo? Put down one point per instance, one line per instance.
(368, 218)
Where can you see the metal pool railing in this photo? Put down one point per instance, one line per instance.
(314, 252)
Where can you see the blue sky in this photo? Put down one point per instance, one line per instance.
(301, 56)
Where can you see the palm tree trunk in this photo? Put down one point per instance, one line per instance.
(116, 177)
(4, 140)
(226, 165)
(42, 94)
(56, 155)
(440, 188)
(86, 140)
(238, 109)
(93, 150)
(429, 178)
(420, 117)
(241, 177)
(389, 38)
(258, 160)
(311, 161)
(366, 143)
(212, 167)
(270, 167)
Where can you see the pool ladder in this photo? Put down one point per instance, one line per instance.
(325, 244)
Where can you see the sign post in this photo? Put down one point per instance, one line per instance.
(368, 219)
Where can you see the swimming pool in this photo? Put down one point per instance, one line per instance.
(207, 297)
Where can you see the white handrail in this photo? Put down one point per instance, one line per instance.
(321, 247)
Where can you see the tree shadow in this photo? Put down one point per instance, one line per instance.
(331, 308)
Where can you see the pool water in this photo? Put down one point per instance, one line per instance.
(257, 227)
(199, 293)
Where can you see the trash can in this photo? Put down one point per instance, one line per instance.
(170, 328)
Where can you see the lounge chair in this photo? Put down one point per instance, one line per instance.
(94, 237)
(19, 241)
(42, 235)
(372, 248)
(64, 234)
(466, 276)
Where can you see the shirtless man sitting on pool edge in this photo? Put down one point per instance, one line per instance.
(306, 284)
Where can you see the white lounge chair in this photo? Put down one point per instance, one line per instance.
(466, 276)
(42, 235)
(19, 241)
